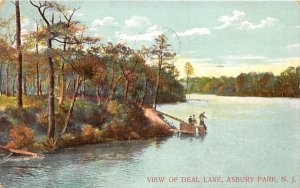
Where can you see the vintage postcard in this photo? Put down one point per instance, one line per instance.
(134, 94)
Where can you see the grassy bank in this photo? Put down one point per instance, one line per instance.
(90, 123)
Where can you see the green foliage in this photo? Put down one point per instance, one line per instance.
(70, 139)
(251, 84)
(88, 112)
(21, 115)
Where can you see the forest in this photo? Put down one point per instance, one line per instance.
(266, 84)
(61, 87)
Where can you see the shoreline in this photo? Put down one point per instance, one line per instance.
(150, 113)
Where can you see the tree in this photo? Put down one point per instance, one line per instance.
(161, 52)
(84, 67)
(289, 82)
(112, 54)
(54, 31)
(18, 38)
(70, 25)
(189, 71)
(42, 7)
(8, 39)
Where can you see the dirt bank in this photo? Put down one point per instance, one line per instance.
(153, 117)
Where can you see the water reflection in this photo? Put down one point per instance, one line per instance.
(191, 137)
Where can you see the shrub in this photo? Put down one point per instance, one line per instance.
(136, 119)
(91, 134)
(134, 136)
(42, 118)
(70, 139)
(20, 137)
(152, 131)
(116, 108)
(89, 114)
(21, 115)
(35, 101)
(47, 144)
(115, 131)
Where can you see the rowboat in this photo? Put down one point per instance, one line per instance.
(184, 127)
(191, 129)
(187, 128)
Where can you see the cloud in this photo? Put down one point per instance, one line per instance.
(148, 36)
(237, 16)
(246, 25)
(137, 21)
(244, 57)
(194, 31)
(105, 21)
(238, 19)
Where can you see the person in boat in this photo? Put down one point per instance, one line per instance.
(190, 120)
(201, 117)
(194, 121)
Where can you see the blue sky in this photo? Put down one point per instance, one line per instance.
(217, 37)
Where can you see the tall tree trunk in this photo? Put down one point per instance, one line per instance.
(24, 84)
(70, 111)
(68, 84)
(98, 94)
(112, 83)
(13, 85)
(1, 65)
(18, 39)
(62, 86)
(83, 90)
(6, 79)
(145, 91)
(126, 89)
(157, 84)
(38, 91)
(51, 87)
(40, 87)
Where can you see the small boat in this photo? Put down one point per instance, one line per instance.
(184, 127)
(187, 128)
(191, 129)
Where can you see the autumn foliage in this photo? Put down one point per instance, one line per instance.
(21, 137)
(91, 134)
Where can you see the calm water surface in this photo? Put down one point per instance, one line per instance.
(246, 137)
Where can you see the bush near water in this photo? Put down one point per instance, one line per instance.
(90, 124)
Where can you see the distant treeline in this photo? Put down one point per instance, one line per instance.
(287, 84)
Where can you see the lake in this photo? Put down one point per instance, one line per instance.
(250, 139)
